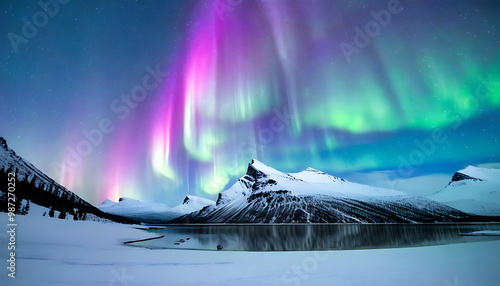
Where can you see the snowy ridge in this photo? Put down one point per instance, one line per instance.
(473, 190)
(324, 182)
(25, 171)
(266, 195)
(191, 204)
(152, 212)
(33, 186)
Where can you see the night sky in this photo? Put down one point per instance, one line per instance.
(155, 100)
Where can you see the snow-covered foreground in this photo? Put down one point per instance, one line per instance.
(58, 252)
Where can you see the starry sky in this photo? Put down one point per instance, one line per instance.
(156, 100)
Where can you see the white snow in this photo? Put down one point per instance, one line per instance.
(391, 179)
(315, 176)
(59, 252)
(139, 210)
(236, 191)
(193, 203)
(152, 211)
(312, 181)
(481, 173)
(308, 183)
(478, 197)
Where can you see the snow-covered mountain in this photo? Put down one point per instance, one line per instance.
(35, 188)
(266, 195)
(472, 190)
(27, 172)
(153, 212)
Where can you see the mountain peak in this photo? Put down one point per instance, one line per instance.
(257, 168)
(258, 165)
(458, 176)
(473, 173)
(472, 190)
(267, 195)
(195, 200)
(318, 172)
(107, 203)
(253, 171)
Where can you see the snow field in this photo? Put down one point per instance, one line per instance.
(60, 252)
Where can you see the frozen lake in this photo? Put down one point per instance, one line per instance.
(306, 237)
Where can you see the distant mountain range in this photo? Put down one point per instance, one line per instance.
(153, 212)
(265, 195)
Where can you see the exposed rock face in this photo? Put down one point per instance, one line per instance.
(265, 195)
(460, 177)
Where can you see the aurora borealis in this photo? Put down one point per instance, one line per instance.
(185, 93)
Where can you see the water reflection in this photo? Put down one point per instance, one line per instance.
(312, 236)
